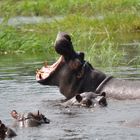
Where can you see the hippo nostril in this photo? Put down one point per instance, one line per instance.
(88, 103)
(40, 77)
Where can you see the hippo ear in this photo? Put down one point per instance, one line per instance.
(81, 55)
(103, 102)
(78, 98)
(103, 94)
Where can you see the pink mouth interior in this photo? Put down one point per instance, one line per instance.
(47, 70)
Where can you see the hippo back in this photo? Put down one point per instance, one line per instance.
(122, 89)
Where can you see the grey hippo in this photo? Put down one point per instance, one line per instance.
(30, 119)
(6, 132)
(73, 74)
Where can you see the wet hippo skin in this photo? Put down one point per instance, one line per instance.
(6, 132)
(73, 74)
(29, 120)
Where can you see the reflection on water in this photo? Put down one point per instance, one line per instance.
(20, 91)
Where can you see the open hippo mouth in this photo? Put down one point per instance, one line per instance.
(64, 47)
(47, 70)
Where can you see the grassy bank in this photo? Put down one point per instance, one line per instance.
(85, 32)
(93, 26)
(65, 7)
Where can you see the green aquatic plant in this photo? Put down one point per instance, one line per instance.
(98, 44)
(65, 7)
(105, 54)
(134, 61)
(14, 40)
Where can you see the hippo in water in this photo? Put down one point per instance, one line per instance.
(73, 74)
(30, 119)
(6, 132)
(87, 99)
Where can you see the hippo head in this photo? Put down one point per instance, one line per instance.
(39, 117)
(6, 132)
(64, 47)
(69, 59)
(88, 99)
(30, 119)
(2, 130)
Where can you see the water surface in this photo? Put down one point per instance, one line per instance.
(19, 90)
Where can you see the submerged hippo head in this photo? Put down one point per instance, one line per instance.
(30, 119)
(2, 130)
(91, 99)
(6, 131)
(39, 117)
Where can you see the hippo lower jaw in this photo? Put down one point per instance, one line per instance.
(46, 71)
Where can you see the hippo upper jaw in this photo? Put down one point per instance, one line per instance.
(63, 46)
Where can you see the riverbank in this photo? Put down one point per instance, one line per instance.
(60, 7)
(97, 28)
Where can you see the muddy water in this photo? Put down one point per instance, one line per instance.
(20, 91)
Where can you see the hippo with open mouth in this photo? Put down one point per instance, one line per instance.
(73, 74)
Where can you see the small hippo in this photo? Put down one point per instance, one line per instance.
(6, 132)
(30, 119)
(87, 99)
